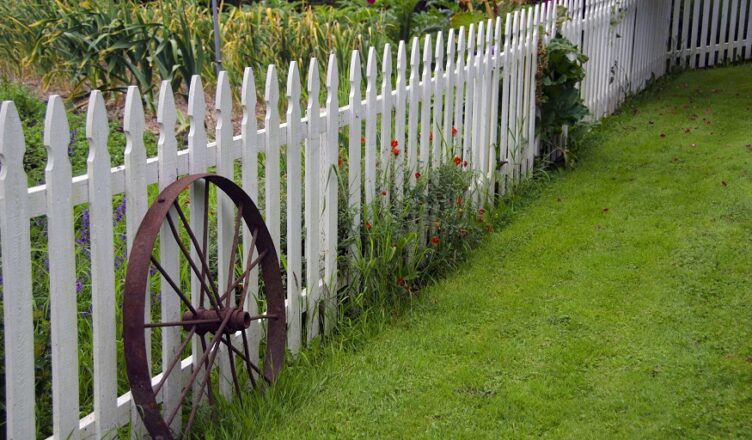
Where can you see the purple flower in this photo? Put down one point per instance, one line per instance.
(73, 134)
(79, 286)
(120, 211)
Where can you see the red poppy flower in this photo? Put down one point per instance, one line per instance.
(362, 140)
(383, 193)
(369, 226)
(395, 144)
(454, 131)
(457, 160)
(464, 164)
(339, 163)
(417, 175)
(430, 136)
(370, 2)
(435, 240)
(396, 151)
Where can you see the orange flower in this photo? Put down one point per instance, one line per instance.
(457, 160)
(339, 163)
(362, 140)
(435, 240)
(395, 144)
(417, 175)
(395, 151)
(430, 136)
(454, 131)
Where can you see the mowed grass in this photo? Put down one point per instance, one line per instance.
(616, 304)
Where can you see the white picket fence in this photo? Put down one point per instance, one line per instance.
(709, 32)
(475, 88)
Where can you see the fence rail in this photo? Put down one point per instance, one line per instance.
(476, 87)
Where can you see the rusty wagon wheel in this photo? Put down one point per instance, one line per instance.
(216, 321)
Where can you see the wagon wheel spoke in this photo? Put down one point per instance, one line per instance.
(172, 284)
(206, 271)
(247, 360)
(187, 255)
(227, 340)
(243, 278)
(207, 358)
(249, 365)
(233, 254)
(175, 360)
(214, 350)
(205, 236)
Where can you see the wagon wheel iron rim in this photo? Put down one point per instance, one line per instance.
(214, 320)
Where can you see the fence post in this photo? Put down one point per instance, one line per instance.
(331, 186)
(294, 214)
(102, 270)
(63, 300)
(167, 155)
(17, 285)
(312, 195)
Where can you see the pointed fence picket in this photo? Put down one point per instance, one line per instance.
(470, 95)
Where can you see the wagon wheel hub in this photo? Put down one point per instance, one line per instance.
(209, 320)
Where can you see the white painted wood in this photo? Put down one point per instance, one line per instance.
(294, 212)
(425, 107)
(447, 146)
(197, 155)
(330, 186)
(370, 123)
(511, 129)
(739, 55)
(467, 124)
(168, 248)
(704, 33)
(272, 139)
(63, 302)
(493, 147)
(713, 41)
(519, 120)
(459, 102)
(485, 89)
(355, 147)
(312, 202)
(533, 58)
(473, 159)
(102, 270)
(722, 38)
(399, 119)
(225, 210)
(137, 201)
(250, 184)
(695, 28)
(17, 278)
(685, 35)
(413, 112)
(675, 42)
(506, 79)
(749, 32)
(387, 105)
(436, 133)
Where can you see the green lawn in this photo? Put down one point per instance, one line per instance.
(616, 304)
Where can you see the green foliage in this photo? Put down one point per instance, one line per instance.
(560, 70)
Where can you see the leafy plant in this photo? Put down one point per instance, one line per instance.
(560, 70)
